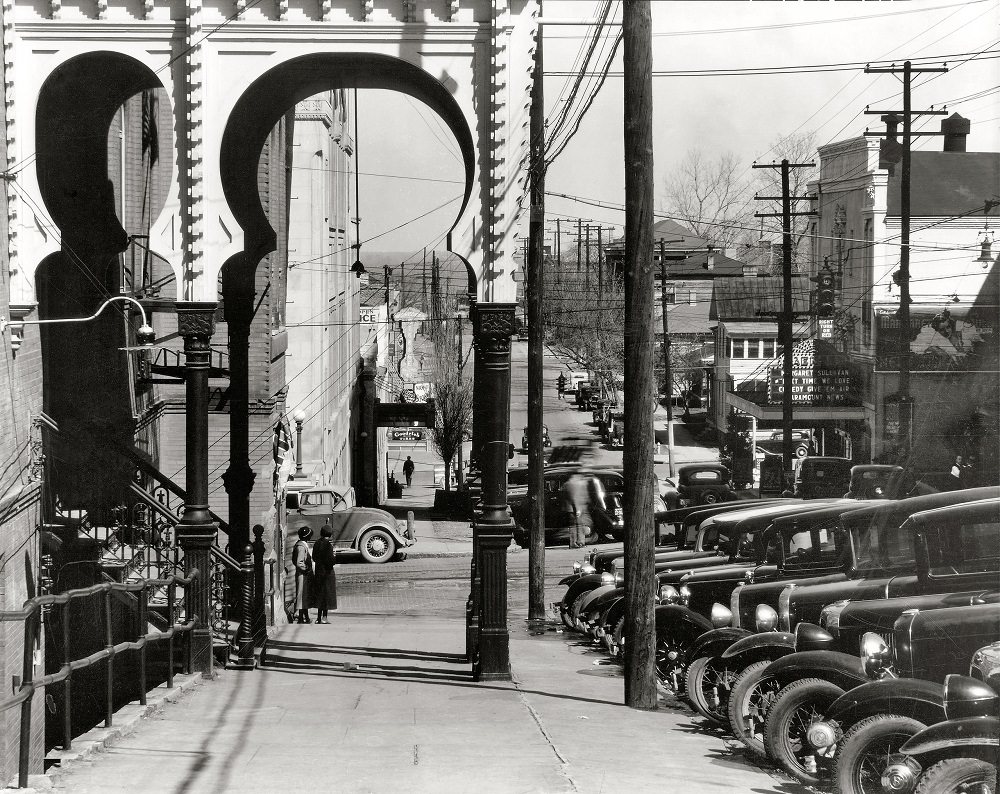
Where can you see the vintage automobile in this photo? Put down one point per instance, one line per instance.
(772, 442)
(373, 533)
(616, 430)
(816, 477)
(546, 441)
(807, 545)
(608, 512)
(557, 528)
(584, 391)
(876, 481)
(869, 723)
(957, 551)
(775, 608)
(701, 484)
(961, 754)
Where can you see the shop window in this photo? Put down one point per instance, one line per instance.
(768, 348)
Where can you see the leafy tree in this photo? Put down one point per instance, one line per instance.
(736, 450)
(453, 402)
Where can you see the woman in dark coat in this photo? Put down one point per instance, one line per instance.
(302, 560)
(324, 580)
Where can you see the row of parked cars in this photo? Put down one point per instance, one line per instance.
(855, 643)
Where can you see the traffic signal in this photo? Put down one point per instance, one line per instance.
(826, 293)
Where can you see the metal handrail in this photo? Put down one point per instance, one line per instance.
(30, 615)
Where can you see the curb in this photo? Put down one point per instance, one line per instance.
(96, 740)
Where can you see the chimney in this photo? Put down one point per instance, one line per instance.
(956, 130)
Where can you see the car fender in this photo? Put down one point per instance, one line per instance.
(582, 585)
(767, 646)
(838, 668)
(714, 642)
(962, 737)
(906, 697)
(570, 579)
(614, 613)
(374, 523)
(589, 600)
(673, 619)
(601, 598)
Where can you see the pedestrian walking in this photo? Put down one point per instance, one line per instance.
(408, 468)
(324, 578)
(302, 560)
(576, 501)
(561, 384)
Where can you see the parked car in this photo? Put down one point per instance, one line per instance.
(608, 512)
(962, 753)
(772, 442)
(702, 484)
(372, 532)
(774, 609)
(957, 555)
(546, 440)
(583, 391)
(616, 431)
(871, 722)
(875, 481)
(816, 478)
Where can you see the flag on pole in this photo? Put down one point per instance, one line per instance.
(150, 134)
(282, 443)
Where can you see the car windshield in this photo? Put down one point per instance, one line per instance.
(317, 499)
(963, 548)
(883, 546)
(822, 545)
(517, 477)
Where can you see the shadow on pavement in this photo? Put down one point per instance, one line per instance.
(382, 653)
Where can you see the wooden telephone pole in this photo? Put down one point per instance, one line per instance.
(535, 287)
(786, 316)
(640, 479)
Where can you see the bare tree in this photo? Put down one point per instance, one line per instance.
(711, 196)
(452, 402)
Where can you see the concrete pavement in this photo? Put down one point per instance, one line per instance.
(381, 700)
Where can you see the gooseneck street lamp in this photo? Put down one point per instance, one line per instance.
(299, 416)
(145, 336)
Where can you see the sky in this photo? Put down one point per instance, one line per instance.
(418, 165)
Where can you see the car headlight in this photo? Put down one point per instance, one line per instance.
(587, 568)
(619, 512)
(685, 594)
(669, 594)
(765, 618)
(877, 655)
(608, 578)
(720, 615)
(577, 566)
(619, 579)
(785, 608)
(829, 618)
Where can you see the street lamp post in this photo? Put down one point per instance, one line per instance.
(299, 416)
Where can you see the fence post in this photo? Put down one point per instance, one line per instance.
(244, 634)
(109, 645)
(140, 637)
(68, 683)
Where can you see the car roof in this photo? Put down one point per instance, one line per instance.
(989, 507)
(916, 504)
(770, 511)
(824, 512)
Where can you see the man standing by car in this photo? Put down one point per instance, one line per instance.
(577, 506)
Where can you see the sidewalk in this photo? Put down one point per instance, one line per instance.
(436, 536)
(381, 700)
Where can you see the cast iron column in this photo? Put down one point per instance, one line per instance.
(196, 532)
(493, 328)
(239, 477)
(472, 604)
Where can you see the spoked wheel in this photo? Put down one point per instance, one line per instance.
(796, 708)
(670, 653)
(751, 697)
(959, 776)
(618, 640)
(708, 684)
(377, 546)
(865, 750)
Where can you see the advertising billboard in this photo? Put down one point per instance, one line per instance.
(944, 338)
(820, 377)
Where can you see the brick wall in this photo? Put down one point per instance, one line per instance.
(20, 492)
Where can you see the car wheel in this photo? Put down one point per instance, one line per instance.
(670, 653)
(377, 546)
(619, 638)
(864, 752)
(708, 685)
(957, 776)
(794, 710)
(709, 498)
(801, 452)
(751, 697)
(573, 613)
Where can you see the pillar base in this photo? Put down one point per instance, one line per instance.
(492, 661)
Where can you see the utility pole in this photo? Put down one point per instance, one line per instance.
(786, 316)
(579, 243)
(423, 305)
(386, 270)
(558, 250)
(600, 264)
(535, 287)
(903, 392)
(667, 375)
(640, 479)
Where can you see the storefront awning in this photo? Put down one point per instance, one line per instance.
(803, 413)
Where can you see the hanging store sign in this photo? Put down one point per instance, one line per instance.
(407, 435)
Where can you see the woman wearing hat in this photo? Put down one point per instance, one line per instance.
(302, 560)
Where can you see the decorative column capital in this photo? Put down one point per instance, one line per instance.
(196, 318)
(493, 326)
